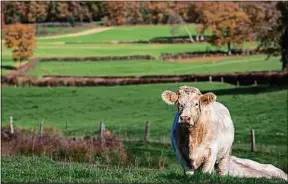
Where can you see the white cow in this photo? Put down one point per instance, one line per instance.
(196, 112)
(205, 138)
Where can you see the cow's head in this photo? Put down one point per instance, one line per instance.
(189, 102)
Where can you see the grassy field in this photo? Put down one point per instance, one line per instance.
(60, 50)
(125, 109)
(7, 65)
(59, 30)
(37, 169)
(116, 68)
(144, 32)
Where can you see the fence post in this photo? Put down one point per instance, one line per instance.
(147, 132)
(41, 127)
(210, 78)
(102, 130)
(222, 80)
(255, 83)
(252, 139)
(11, 125)
(238, 84)
(66, 128)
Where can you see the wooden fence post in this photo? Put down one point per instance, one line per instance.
(210, 78)
(41, 127)
(255, 83)
(147, 132)
(66, 128)
(238, 84)
(252, 139)
(102, 130)
(222, 80)
(11, 125)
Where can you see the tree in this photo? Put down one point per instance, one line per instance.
(21, 39)
(283, 28)
(36, 11)
(226, 20)
(273, 36)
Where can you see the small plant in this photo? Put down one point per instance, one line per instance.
(21, 39)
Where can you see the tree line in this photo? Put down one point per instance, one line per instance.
(119, 12)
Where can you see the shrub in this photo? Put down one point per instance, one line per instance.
(109, 150)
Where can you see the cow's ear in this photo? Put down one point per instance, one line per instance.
(169, 97)
(207, 98)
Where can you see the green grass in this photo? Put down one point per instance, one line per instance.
(60, 30)
(144, 32)
(116, 68)
(37, 169)
(51, 50)
(7, 65)
(125, 109)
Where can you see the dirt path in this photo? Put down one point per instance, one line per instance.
(86, 32)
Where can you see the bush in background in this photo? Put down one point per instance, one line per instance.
(21, 39)
(108, 150)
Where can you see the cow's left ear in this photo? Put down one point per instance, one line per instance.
(207, 98)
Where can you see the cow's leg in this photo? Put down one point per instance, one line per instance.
(210, 162)
(223, 166)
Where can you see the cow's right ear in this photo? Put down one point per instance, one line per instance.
(169, 97)
(207, 98)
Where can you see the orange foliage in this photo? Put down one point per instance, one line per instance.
(21, 39)
(227, 20)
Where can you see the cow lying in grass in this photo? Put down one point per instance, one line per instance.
(204, 135)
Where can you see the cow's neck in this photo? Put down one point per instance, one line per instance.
(199, 133)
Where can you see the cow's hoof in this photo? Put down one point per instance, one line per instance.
(189, 172)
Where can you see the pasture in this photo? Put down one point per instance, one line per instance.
(157, 67)
(59, 49)
(22, 169)
(130, 33)
(125, 109)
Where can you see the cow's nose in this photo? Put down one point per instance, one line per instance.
(185, 119)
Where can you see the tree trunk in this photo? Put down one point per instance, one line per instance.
(229, 48)
(284, 50)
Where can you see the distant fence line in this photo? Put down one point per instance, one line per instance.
(103, 133)
(238, 78)
(216, 53)
(163, 56)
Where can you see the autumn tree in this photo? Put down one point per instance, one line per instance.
(226, 20)
(272, 30)
(21, 39)
(283, 29)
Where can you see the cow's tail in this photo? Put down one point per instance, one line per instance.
(240, 167)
